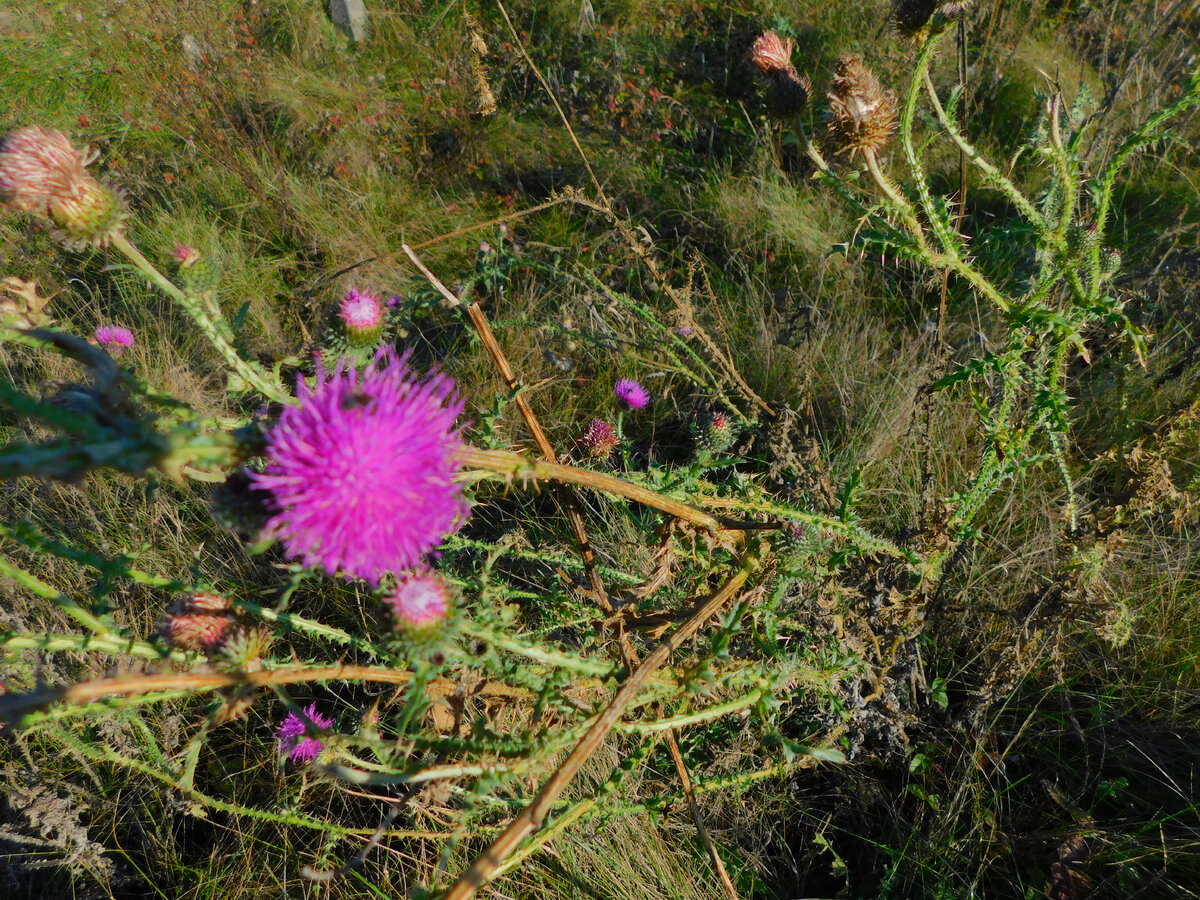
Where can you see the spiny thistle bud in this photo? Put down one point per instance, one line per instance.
(200, 274)
(790, 539)
(864, 114)
(199, 622)
(42, 173)
(716, 433)
(244, 646)
(599, 439)
(789, 90)
(361, 316)
(421, 604)
(1110, 262)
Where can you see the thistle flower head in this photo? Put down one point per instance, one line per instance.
(361, 472)
(42, 173)
(599, 439)
(361, 315)
(294, 741)
(113, 338)
(717, 433)
(185, 255)
(198, 622)
(864, 114)
(420, 602)
(788, 92)
(630, 394)
(772, 53)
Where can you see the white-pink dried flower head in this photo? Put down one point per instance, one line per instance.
(43, 174)
(772, 53)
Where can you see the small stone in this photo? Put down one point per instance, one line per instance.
(193, 53)
(350, 16)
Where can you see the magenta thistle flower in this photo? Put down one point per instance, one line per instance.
(599, 439)
(294, 741)
(360, 310)
(115, 339)
(421, 601)
(361, 315)
(630, 394)
(361, 472)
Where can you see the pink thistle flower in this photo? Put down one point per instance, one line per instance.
(361, 315)
(115, 339)
(599, 439)
(185, 255)
(361, 472)
(294, 741)
(772, 53)
(421, 601)
(42, 173)
(630, 394)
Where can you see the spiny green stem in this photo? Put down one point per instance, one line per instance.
(251, 374)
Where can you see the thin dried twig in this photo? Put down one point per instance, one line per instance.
(484, 330)
(685, 779)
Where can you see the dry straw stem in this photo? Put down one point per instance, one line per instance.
(530, 819)
(484, 329)
(510, 464)
(13, 706)
(686, 780)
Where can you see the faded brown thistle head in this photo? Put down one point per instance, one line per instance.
(43, 174)
(864, 114)
(915, 19)
(789, 90)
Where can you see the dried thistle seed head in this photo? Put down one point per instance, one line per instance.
(788, 93)
(43, 173)
(864, 114)
(772, 53)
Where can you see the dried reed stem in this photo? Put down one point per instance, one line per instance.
(505, 462)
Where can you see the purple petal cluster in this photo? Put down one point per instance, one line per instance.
(114, 337)
(361, 472)
(294, 743)
(421, 601)
(630, 394)
(360, 310)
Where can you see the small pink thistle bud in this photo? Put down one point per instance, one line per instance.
(717, 433)
(199, 622)
(599, 439)
(630, 394)
(185, 255)
(421, 602)
(42, 173)
(115, 339)
(361, 315)
(790, 539)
